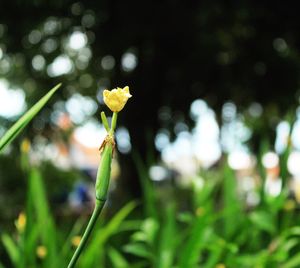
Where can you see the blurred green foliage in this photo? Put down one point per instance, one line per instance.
(197, 227)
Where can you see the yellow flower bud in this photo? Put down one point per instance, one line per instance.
(116, 98)
(25, 146)
(41, 252)
(21, 222)
(76, 240)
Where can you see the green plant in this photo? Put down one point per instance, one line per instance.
(215, 228)
(115, 100)
(37, 233)
(18, 253)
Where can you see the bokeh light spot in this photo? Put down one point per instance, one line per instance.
(60, 66)
(38, 62)
(129, 61)
(123, 140)
(77, 40)
(108, 62)
(12, 101)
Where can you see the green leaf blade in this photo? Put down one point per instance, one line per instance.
(11, 248)
(15, 130)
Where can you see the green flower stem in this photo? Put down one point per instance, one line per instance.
(101, 187)
(114, 122)
(102, 183)
(97, 210)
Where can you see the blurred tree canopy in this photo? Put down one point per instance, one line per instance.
(168, 52)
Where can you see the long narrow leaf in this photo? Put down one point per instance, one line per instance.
(44, 219)
(147, 188)
(11, 248)
(15, 130)
(167, 241)
(292, 262)
(190, 254)
(117, 259)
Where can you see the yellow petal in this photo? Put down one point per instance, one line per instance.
(106, 93)
(116, 98)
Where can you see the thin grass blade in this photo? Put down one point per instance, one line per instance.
(167, 241)
(117, 258)
(15, 130)
(11, 248)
